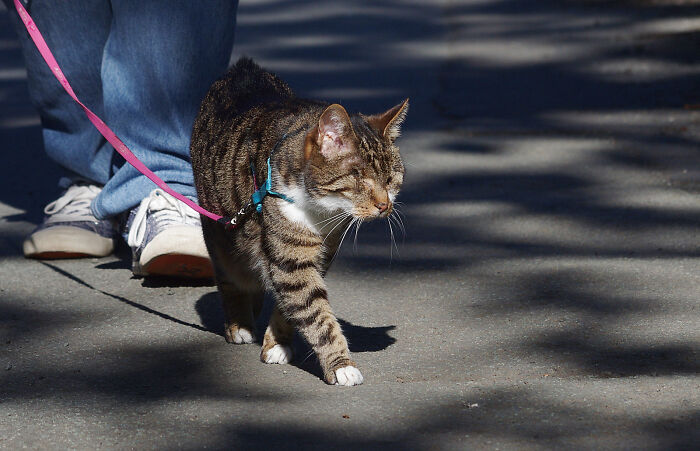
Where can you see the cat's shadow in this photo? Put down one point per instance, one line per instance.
(360, 338)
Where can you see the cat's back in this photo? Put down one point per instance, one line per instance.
(243, 87)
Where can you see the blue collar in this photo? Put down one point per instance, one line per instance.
(265, 189)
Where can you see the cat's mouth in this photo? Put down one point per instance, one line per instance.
(379, 210)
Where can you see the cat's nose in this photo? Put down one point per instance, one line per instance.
(382, 206)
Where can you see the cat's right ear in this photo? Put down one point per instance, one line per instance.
(333, 135)
(389, 122)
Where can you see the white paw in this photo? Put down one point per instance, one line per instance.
(279, 354)
(348, 376)
(243, 336)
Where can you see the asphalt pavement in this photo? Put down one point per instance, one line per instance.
(545, 294)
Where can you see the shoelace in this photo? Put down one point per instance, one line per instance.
(164, 209)
(73, 205)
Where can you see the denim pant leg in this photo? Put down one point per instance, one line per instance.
(76, 31)
(159, 61)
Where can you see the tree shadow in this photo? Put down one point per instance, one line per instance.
(534, 421)
(602, 357)
(135, 375)
(584, 312)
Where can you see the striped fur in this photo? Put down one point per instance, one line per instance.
(337, 167)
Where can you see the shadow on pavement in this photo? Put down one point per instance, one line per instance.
(124, 300)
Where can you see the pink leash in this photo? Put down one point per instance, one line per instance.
(119, 146)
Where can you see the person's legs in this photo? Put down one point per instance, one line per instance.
(159, 61)
(76, 31)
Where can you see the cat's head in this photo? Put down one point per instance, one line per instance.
(353, 163)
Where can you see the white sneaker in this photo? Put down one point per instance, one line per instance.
(69, 229)
(165, 237)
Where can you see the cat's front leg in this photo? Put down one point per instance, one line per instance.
(302, 300)
(311, 314)
(277, 342)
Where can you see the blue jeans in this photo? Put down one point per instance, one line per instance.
(143, 66)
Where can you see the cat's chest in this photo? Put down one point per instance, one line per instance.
(301, 212)
(293, 212)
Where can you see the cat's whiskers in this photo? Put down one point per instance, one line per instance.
(343, 215)
(354, 221)
(357, 229)
(393, 242)
(311, 352)
(397, 209)
(403, 233)
(334, 227)
(399, 219)
(399, 222)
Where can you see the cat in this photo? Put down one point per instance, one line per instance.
(330, 168)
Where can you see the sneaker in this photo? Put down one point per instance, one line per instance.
(69, 229)
(165, 236)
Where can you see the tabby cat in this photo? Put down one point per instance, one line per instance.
(335, 167)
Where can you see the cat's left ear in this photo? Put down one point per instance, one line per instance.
(389, 123)
(333, 134)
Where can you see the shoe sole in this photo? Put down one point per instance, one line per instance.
(178, 251)
(58, 255)
(177, 265)
(59, 242)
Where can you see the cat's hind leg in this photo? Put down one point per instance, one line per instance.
(239, 326)
(277, 342)
(240, 291)
(241, 302)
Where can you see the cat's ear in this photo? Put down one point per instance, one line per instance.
(389, 123)
(333, 134)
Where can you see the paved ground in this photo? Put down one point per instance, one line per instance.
(546, 293)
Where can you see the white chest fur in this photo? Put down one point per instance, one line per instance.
(297, 211)
(319, 216)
